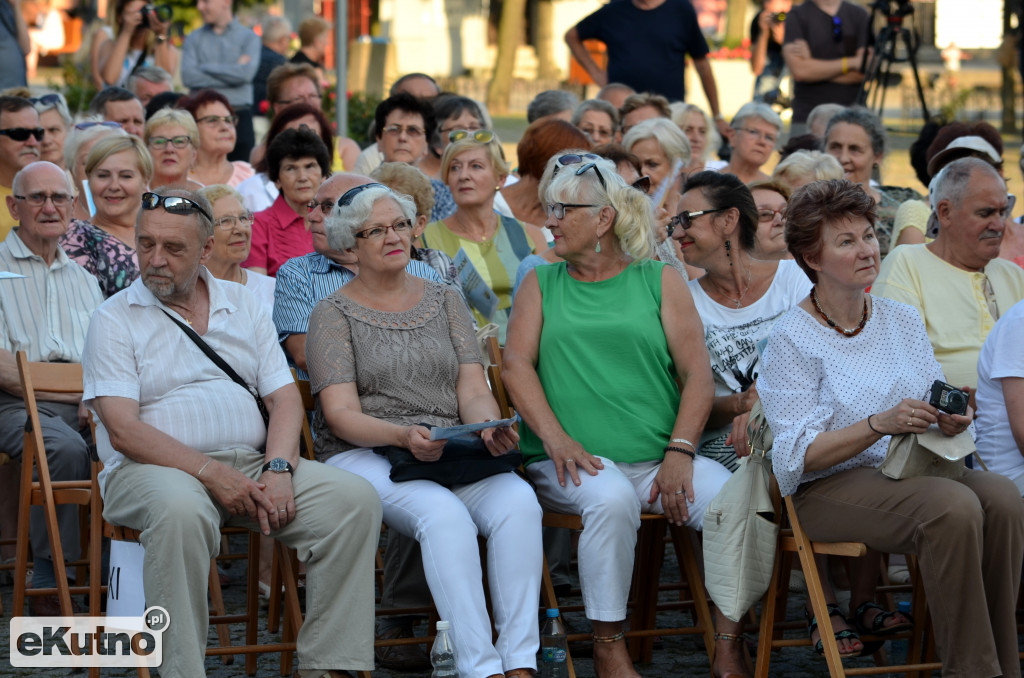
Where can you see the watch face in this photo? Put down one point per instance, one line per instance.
(277, 465)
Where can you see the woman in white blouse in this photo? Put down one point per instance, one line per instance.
(843, 372)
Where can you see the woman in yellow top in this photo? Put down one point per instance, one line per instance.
(474, 168)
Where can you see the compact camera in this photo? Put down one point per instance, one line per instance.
(779, 17)
(949, 399)
(162, 12)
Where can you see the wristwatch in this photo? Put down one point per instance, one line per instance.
(279, 465)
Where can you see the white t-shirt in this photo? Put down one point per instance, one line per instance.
(263, 287)
(258, 192)
(1001, 356)
(732, 334)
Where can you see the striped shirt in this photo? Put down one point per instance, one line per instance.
(46, 313)
(305, 280)
(134, 351)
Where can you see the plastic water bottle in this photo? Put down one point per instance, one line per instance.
(554, 648)
(442, 654)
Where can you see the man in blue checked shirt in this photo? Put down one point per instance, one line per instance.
(305, 280)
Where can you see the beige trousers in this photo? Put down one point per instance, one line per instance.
(335, 532)
(968, 536)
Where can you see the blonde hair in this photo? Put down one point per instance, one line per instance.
(494, 152)
(670, 138)
(402, 177)
(215, 192)
(634, 214)
(802, 167)
(104, 148)
(172, 116)
(681, 110)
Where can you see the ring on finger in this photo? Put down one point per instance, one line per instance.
(912, 411)
(570, 461)
(678, 492)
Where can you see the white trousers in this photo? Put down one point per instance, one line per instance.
(504, 510)
(610, 504)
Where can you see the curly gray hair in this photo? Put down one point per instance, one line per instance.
(344, 222)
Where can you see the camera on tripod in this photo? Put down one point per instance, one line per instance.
(893, 8)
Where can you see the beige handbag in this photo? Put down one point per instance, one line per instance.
(931, 453)
(741, 530)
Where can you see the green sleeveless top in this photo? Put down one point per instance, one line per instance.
(604, 363)
(495, 260)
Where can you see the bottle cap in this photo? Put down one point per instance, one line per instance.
(443, 625)
(552, 612)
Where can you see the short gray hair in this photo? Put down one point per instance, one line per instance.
(951, 181)
(596, 105)
(550, 102)
(274, 28)
(823, 113)
(668, 135)
(867, 121)
(60, 105)
(153, 74)
(344, 221)
(204, 222)
(757, 109)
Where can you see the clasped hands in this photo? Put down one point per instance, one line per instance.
(269, 501)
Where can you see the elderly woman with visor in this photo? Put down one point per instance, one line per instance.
(613, 442)
(388, 353)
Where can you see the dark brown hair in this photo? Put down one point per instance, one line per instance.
(817, 204)
(543, 139)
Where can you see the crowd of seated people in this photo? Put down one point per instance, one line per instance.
(647, 292)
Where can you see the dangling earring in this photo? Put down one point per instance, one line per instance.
(728, 251)
(597, 248)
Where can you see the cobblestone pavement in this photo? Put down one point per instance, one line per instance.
(674, 656)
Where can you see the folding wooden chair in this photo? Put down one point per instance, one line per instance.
(794, 540)
(65, 378)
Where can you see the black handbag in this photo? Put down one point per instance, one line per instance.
(465, 459)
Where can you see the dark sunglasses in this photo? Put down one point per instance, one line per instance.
(593, 166)
(837, 29)
(643, 184)
(23, 133)
(684, 220)
(172, 204)
(484, 136)
(572, 159)
(93, 123)
(51, 99)
(344, 201)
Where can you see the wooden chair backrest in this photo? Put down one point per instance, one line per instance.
(494, 376)
(308, 404)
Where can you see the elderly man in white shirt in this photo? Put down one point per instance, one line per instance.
(46, 314)
(187, 451)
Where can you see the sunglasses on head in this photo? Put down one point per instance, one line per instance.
(23, 133)
(93, 123)
(52, 99)
(484, 136)
(592, 166)
(344, 201)
(172, 204)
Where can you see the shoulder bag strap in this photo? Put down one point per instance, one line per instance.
(220, 362)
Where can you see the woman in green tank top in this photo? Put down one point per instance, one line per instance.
(607, 366)
(474, 168)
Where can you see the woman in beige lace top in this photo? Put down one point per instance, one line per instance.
(387, 353)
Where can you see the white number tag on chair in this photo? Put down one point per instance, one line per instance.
(125, 594)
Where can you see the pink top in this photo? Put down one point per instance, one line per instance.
(278, 234)
(242, 171)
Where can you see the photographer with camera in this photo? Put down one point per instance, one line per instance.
(767, 31)
(140, 39)
(842, 374)
(957, 282)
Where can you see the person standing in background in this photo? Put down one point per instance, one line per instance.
(767, 31)
(14, 45)
(276, 37)
(224, 55)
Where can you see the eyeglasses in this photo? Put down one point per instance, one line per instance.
(593, 166)
(48, 100)
(445, 132)
(93, 123)
(172, 204)
(411, 131)
(769, 215)
(484, 136)
(228, 223)
(758, 134)
(178, 142)
(684, 220)
(344, 201)
(212, 120)
(837, 29)
(39, 199)
(378, 232)
(23, 133)
(643, 184)
(557, 209)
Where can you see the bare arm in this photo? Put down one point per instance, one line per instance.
(806, 68)
(111, 56)
(10, 381)
(726, 408)
(572, 39)
(476, 404)
(1013, 394)
(295, 346)
(759, 50)
(520, 375)
(910, 236)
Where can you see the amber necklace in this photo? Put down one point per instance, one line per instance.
(832, 323)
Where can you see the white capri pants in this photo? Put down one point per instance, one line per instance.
(610, 504)
(504, 510)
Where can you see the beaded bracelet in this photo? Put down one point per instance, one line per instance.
(689, 453)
